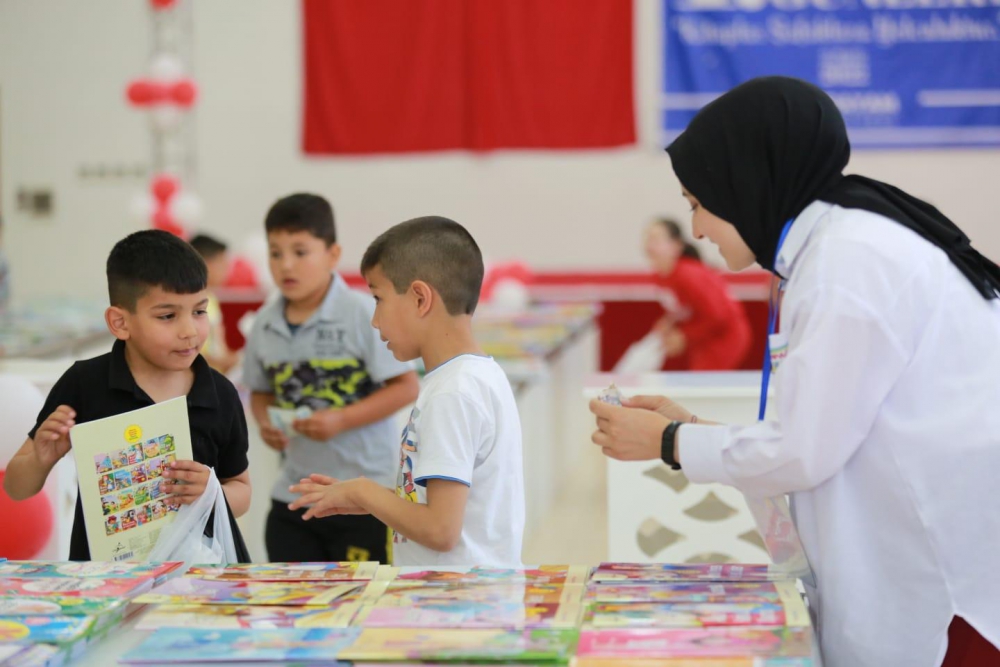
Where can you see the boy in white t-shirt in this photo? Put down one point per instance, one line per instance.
(460, 492)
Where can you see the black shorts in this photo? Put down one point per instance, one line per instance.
(332, 539)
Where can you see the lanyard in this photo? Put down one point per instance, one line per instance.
(772, 321)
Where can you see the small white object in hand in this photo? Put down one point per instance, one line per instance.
(612, 395)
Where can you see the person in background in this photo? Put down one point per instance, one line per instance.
(702, 322)
(216, 256)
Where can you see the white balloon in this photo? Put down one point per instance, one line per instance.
(141, 207)
(509, 296)
(166, 116)
(187, 209)
(166, 67)
(20, 403)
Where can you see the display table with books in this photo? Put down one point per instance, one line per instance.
(101, 614)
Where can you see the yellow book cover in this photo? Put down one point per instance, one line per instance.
(120, 462)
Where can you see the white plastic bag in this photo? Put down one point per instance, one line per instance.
(644, 356)
(184, 539)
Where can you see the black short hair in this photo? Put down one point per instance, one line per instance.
(207, 246)
(436, 250)
(303, 212)
(675, 232)
(153, 258)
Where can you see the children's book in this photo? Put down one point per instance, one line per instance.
(171, 645)
(445, 613)
(696, 643)
(120, 462)
(91, 587)
(549, 574)
(411, 593)
(763, 591)
(496, 645)
(654, 572)
(41, 568)
(188, 590)
(693, 615)
(287, 572)
(231, 617)
(56, 605)
(692, 662)
(44, 629)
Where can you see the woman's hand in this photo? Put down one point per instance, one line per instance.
(661, 405)
(628, 433)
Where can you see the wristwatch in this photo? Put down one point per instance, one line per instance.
(667, 445)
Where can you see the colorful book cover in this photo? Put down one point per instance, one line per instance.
(234, 617)
(84, 569)
(692, 662)
(287, 572)
(445, 613)
(187, 590)
(120, 462)
(696, 643)
(551, 574)
(411, 593)
(227, 646)
(56, 605)
(496, 645)
(91, 587)
(686, 615)
(652, 572)
(44, 629)
(763, 591)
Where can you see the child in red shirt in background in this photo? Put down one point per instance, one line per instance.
(702, 322)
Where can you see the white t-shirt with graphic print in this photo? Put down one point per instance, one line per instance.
(465, 428)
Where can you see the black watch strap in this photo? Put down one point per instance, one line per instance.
(667, 445)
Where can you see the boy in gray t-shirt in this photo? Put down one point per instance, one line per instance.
(315, 349)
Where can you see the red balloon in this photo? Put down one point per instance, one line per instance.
(516, 271)
(164, 221)
(164, 187)
(25, 526)
(241, 274)
(184, 92)
(143, 92)
(162, 4)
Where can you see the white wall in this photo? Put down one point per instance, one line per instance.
(64, 65)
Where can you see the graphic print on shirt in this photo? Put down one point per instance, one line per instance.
(405, 487)
(320, 383)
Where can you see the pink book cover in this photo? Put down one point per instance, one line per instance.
(764, 591)
(611, 572)
(696, 643)
(87, 587)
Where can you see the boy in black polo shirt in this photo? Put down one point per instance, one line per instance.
(157, 288)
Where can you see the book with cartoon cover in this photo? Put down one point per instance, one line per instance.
(120, 462)
(56, 605)
(172, 645)
(692, 615)
(188, 590)
(411, 593)
(690, 662)
(287, 571)
(753, 591)
(91, 587)
(716, 642)
(549, 574)
(337, 615)
(84, 569)
(44, 629)
(495, 645)
(654, 572)
(450, 613)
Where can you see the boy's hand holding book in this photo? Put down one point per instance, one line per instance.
(188, 480)
(322, 424)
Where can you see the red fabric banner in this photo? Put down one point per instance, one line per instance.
(384, 76)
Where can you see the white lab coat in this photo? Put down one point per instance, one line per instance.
(888, 438)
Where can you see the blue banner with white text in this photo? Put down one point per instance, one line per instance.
(905, 73)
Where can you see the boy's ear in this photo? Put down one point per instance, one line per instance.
(424, 295)
(334, 251)
(117, 321)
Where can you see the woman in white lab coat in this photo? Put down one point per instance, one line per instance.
(888, 389)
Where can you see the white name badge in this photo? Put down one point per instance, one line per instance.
(779, 349)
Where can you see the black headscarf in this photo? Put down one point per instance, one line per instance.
(761, 153)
